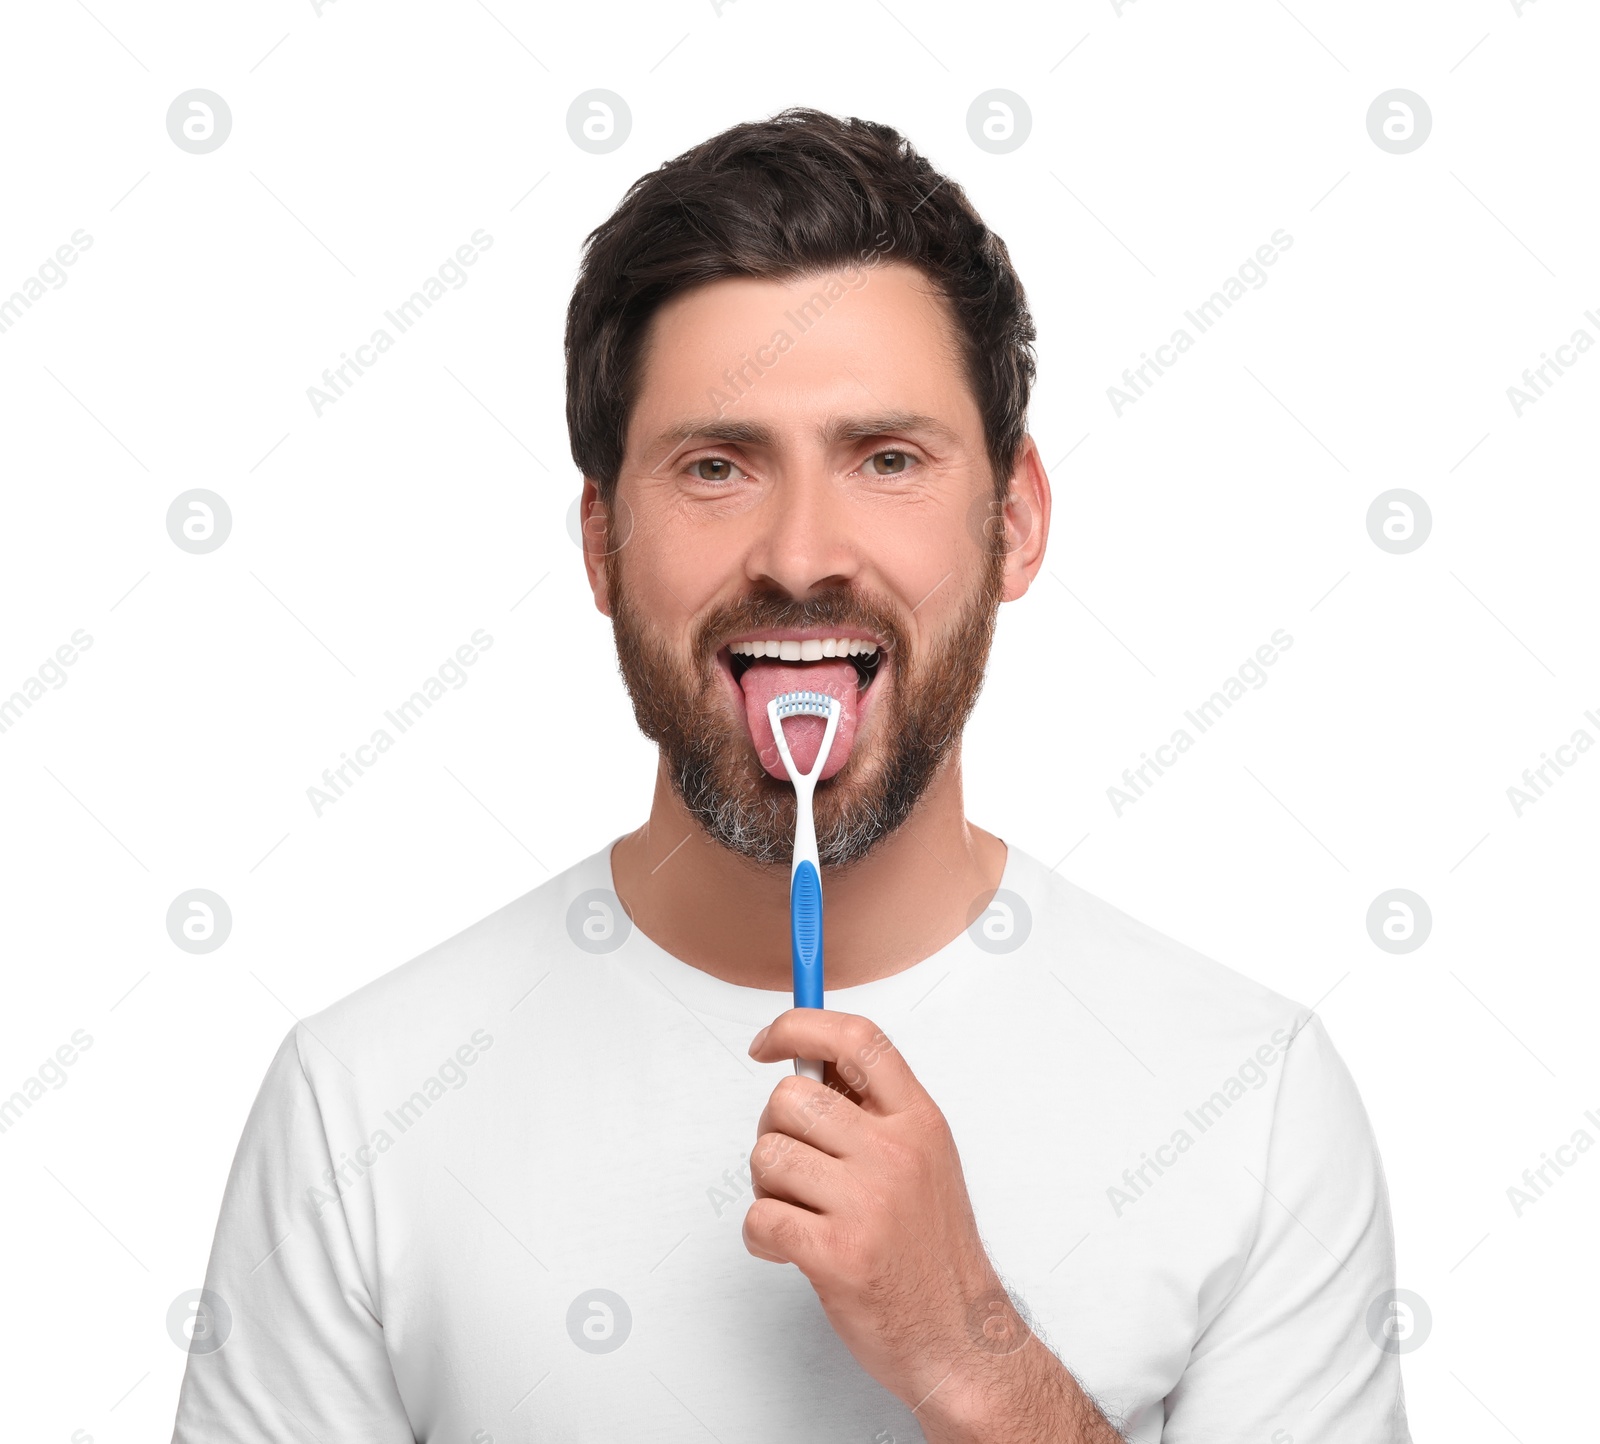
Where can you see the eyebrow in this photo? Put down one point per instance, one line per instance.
(844, 428)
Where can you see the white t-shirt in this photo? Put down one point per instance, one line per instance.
(544, 1125)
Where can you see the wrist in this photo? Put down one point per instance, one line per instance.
(1000, 1372)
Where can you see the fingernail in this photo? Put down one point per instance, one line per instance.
(759, 1039)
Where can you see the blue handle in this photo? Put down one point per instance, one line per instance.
(805, 935)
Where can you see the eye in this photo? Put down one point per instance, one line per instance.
(720, 469)
(896, 463)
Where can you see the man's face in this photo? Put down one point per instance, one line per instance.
(805, 463)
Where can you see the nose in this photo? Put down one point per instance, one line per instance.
(807, 537)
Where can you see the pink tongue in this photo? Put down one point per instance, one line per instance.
(763, 681)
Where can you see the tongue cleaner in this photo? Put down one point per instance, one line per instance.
(805, 881)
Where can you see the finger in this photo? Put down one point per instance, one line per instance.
(866, 1060)
(781, 1233)
(796, 1172)
(816, 1114)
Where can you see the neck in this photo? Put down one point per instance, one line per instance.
(917, 890)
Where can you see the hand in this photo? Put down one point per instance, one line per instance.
(859, 1185)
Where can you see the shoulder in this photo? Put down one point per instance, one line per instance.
(1174, 997)
(1204, 1038)
(433, 1004)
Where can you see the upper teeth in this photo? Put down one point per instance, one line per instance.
(811, 650)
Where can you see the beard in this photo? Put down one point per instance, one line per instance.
(707, 750)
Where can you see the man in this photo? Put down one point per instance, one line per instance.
(549, 1181)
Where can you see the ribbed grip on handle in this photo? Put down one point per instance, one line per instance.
(805, 935)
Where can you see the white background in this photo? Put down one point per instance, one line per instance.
(371, 140)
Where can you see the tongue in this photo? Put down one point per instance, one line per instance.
(763, 681)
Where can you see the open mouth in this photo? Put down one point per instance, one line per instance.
(845, 667)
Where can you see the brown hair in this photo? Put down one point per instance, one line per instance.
(798, 193)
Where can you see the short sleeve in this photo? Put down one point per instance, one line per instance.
(292, 1345)
(1288, 1354)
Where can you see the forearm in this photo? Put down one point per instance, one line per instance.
(1025, 1397)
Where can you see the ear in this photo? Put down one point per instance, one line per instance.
(1026, 514)
(593, 531)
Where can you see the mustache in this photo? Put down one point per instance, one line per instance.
(776, 612)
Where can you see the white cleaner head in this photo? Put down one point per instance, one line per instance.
(804, 704)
